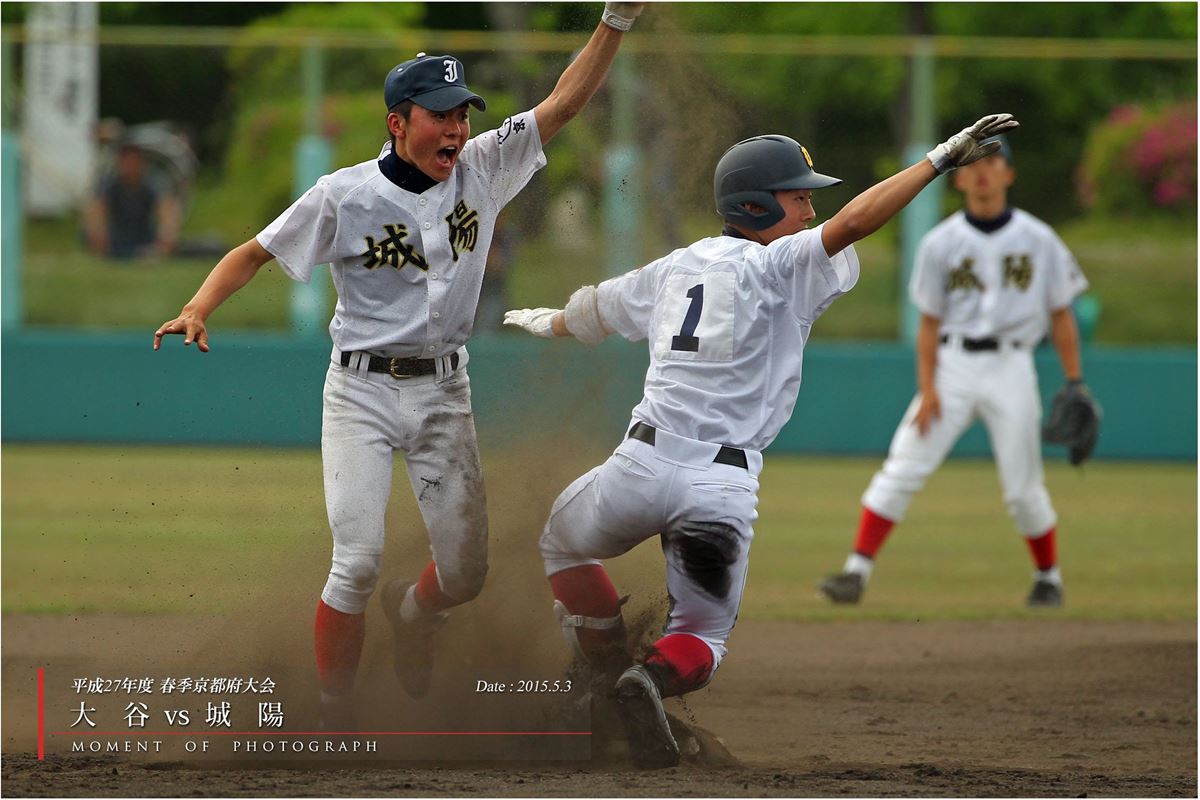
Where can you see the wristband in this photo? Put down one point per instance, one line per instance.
(616, 21)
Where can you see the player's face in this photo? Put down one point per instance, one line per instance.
(432, 140)
(797, 213)
(985, 179)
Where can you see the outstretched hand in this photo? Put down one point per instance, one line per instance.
(190, 326)
(963, 147)
(538, 321)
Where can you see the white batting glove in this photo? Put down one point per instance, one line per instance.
(963, 147)
(621, 15)
(535, 320)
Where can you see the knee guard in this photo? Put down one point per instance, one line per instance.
(610, 653)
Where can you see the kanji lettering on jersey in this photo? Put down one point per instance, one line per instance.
(1018, 271)
(393, 250)
(963, 277)
(464, 229)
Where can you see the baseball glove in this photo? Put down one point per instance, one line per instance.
(1074, 421)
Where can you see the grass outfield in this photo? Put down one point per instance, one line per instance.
(159, 529)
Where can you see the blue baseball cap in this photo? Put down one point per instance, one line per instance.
(1005, 150)
(433, 82)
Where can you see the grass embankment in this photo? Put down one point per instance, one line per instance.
(1143, 274)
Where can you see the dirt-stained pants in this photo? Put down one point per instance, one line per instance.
(367, 417)
(703, 511)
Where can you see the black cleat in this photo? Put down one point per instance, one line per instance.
(412, 658)
(846, 587)
(1045, 594)
(639, 703)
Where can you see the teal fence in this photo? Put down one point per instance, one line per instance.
(81, 386)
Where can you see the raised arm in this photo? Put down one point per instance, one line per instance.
(583, 76)
(230, 274)
(870, 211)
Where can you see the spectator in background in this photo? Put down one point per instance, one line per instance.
(131, 215)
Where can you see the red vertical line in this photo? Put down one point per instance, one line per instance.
(41, 714)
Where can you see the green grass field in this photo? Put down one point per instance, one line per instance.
(160, 529)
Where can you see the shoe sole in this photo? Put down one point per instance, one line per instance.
(651, 744)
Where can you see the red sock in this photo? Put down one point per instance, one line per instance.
(1044, 550)
(339, 641)
(587, 590)
(430, 596)
(681, 662)
(872, 531)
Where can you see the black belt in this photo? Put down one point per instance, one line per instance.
(402, 367)
(726, 455)
(977, 345)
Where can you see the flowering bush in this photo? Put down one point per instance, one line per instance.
(1140, 161)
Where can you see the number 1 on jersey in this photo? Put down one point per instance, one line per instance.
(695, 317)
(686, 340)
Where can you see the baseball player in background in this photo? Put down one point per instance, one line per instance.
(726, 320)
(989, 281)
(406, 235)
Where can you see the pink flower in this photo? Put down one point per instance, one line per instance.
(1168, 193)
(1150, 152)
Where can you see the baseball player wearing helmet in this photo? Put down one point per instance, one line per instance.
(407, 235)
(726, 320)
(989, 281)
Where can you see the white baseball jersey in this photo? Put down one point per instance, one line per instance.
(407, 267)
(1002, 284)
(727, 321)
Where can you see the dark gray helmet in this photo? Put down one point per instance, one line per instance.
(752, 169)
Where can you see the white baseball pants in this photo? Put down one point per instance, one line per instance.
(367, 417)
(704, 513)
(1001, 388)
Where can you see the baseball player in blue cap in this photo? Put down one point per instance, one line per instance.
(726, 320)
(406, 235)
(990, 282)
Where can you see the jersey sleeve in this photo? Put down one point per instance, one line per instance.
(927, 288)
(626, 302)
(508, 156)
(1066, 279)
(302, 237)
(809, 278)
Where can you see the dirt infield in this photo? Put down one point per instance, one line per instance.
(1024, 707)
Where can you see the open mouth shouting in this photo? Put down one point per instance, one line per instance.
(446, 157)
